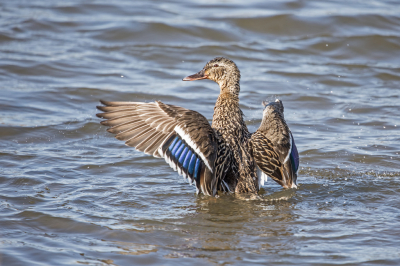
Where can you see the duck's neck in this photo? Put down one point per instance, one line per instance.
(228, 117)
(228, 100)
(230, 86)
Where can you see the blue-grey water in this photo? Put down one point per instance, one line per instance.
(71, 194)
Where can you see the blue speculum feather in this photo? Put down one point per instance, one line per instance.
(197, 169)
(187, 159)
(173, 144)
(294, 156)
(175, 148)
(179, 151)
(183, 155)
(192, 163)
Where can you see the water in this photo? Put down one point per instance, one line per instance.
(70, 194)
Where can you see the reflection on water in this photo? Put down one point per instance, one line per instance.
(218, 228)
(71, 194)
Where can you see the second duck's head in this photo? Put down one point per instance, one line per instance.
(221, 70)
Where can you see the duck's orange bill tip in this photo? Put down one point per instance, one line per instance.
(197, 76)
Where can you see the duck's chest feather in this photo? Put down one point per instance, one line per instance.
(229, 123)
(228, 120)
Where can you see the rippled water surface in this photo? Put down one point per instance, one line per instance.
(70, 194)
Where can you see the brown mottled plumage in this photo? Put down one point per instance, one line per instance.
(223, 156)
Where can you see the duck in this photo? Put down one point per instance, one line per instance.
(221, 157)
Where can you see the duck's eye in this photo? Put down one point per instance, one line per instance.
(216, 65)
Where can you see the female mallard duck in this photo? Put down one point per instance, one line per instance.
(222, 156)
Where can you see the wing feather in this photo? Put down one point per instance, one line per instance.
(139, 137)
(124, 126)
(131, 132)
(142, 146)
(153, 144)
(116, 121)
(183, 137)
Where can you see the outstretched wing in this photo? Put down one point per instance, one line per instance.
(183, 137)
(274, 149)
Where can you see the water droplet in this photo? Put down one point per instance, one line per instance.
(326, 44)
(122, 76)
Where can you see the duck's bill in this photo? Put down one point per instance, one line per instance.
(197, 76)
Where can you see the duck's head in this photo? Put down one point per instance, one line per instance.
(221, 70)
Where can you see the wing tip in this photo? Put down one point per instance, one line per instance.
(111, 130)
(101, 108)
(114, 104)
(103, 102)
(100, 115)
(104, 123)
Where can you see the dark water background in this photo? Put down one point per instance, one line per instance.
(70, 194)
